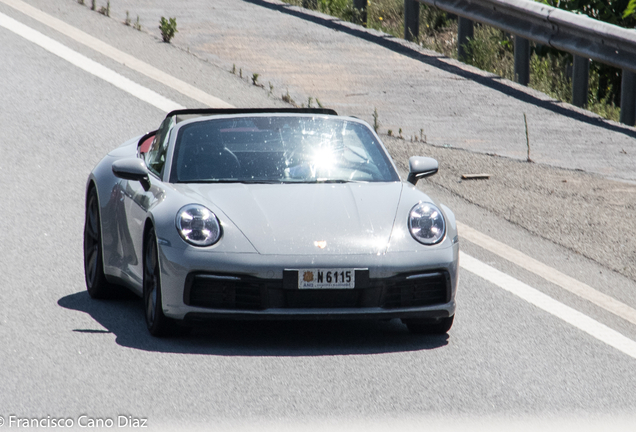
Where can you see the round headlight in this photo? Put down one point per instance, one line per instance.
(198, 225)
(426, 223)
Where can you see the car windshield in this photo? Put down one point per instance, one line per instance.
(279, 149)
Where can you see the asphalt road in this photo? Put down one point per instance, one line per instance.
(506, 364)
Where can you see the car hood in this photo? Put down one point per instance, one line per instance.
(306, 219)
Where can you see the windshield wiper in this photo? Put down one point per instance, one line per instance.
(260, 181)
(332, 181)
(210, 181)
(244, 181)
(281, 181)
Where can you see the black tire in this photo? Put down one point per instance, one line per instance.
(158, 324)
(96, 283)
(428, 326)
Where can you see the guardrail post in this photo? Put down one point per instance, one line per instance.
(628, 98)
(310, 4)
(522, 60)
(464, 33)
(411, 20)
(580, 80)
(361, 8)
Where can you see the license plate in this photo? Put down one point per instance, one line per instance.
(329, 278)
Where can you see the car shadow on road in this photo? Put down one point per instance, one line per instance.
(124, 318)
(400, 46)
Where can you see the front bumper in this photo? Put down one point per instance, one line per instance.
(198, 286)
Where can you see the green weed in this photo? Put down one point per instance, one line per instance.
(549, 75)
(287, 98)
(105, 10)
(492, 50)
(603, 106)
(376, 122)
(168, 28)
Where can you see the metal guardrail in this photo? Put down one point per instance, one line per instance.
(584, 37)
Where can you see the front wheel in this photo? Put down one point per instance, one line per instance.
(96, 283)
(430, 326)
(158, 324)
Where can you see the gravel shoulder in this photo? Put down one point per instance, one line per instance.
(583, 212)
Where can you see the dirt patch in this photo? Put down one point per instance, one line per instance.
(586, 213)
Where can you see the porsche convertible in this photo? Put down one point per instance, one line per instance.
(252, 214)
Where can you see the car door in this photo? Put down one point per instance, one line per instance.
(138, 200)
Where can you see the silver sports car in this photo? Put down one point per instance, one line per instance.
(269, 214)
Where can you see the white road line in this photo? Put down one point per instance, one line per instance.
(88, 65)
(117, 55)
(566, 282)
(548, 304)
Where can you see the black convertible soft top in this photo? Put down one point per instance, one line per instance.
(226, 111)
(185, 114)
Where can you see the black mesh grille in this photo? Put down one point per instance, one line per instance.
(250, 293)
(219, 293)
(325, 298)
(421, 290)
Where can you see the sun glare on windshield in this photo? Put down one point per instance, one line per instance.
(284, 149)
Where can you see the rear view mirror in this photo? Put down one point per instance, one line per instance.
(420, 167)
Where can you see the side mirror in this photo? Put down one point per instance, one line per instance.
(132, 169)
(420, 167)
